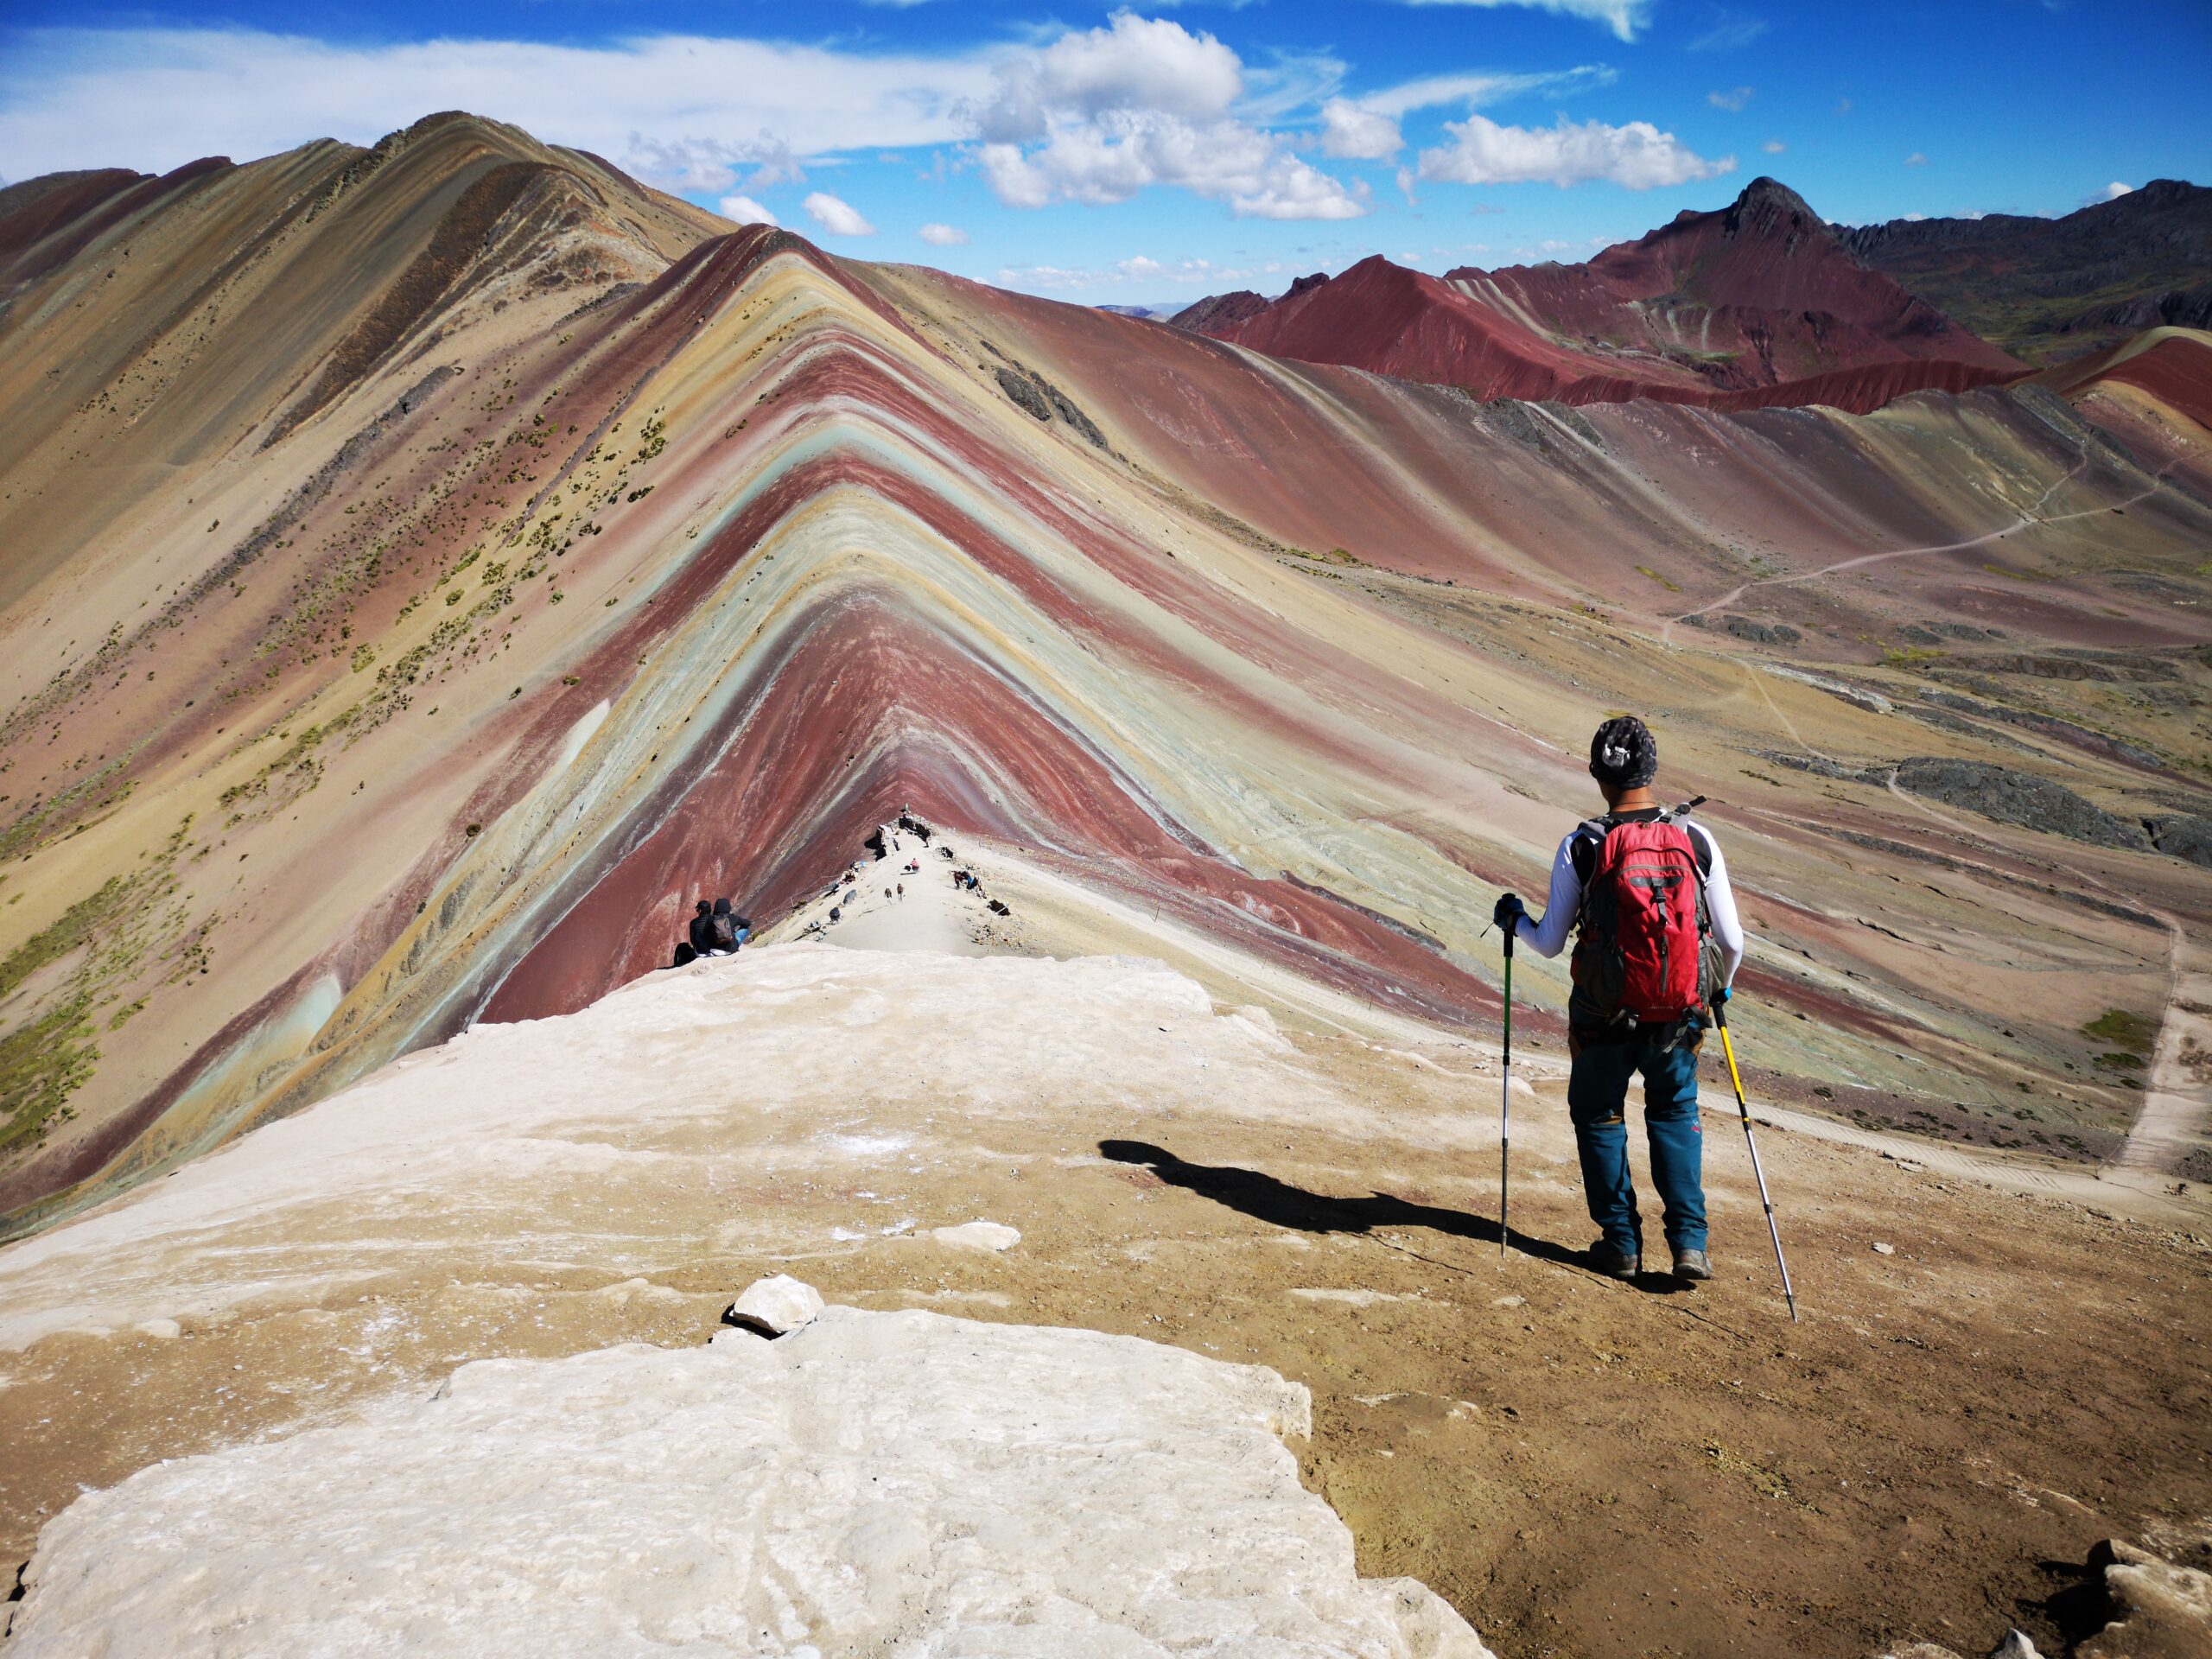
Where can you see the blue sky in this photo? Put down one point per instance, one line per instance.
(1158, 152)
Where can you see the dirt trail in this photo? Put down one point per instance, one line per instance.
(2177, 1112)
(2178, 1098)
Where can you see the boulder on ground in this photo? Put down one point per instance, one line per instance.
(2016, 1645)
(875, 1482)
(978, 1236)
(774, 1306)
(2159, 1610)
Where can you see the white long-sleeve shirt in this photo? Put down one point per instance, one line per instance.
(1548, 936)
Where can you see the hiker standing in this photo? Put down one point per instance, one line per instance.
(1658, 942)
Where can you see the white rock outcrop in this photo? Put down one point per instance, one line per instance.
(556, 1140)
(775, 1305)
(875, 1482)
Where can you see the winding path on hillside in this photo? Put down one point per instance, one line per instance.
(2176, 1117)
(2035, 515)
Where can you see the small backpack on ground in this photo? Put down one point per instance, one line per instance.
(1644, 953)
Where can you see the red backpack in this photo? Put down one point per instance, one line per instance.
(1644, 949)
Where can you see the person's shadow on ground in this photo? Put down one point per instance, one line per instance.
(1280, 1205)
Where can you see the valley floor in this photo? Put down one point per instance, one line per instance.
(1582, 1467)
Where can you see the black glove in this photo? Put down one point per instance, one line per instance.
(1508, 913)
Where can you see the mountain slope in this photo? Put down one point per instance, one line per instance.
(2047, 290)
(175, 318)
(619, 566)
(1754, 305)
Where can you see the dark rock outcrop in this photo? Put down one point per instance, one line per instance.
(2011, 797)
(1034, 393)
(2183, 835)
(1761, 633)
(1024, 394)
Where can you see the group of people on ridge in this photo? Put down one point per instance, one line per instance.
(716, 930)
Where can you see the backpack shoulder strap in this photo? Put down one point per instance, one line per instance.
(1702, 846)
(1701, 837)
(1585, 842)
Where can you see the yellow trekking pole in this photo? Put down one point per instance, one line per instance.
(1728, 1049)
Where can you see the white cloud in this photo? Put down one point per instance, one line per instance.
(666, 107)
(1774, 147)
(1047, 278)
(746, 211)
(837, 218)
(695, 164)
(1112, 158)
(2114, 192)
(1366, 129)
(1140, 269)
(1289, 84)
(1100, 114)
(1132, 64)
(943, 236)
(1915, 160)
(1636, 155)
(1358, 133)
(1731, 33)
(1732, 102)
(1624, 18)
(1477, 90)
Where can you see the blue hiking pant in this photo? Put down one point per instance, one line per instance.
(1597, 1101)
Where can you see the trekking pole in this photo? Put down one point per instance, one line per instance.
(1721, 1019)
(1505, 1104)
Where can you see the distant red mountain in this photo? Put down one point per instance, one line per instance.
(1759, 303)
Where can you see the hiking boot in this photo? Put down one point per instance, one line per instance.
(1692, 1264)
(1613, 1261)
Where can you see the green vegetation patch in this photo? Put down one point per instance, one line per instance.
(1336, 555)
(2129, 1032)
(45, 1061)
(100, 948)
